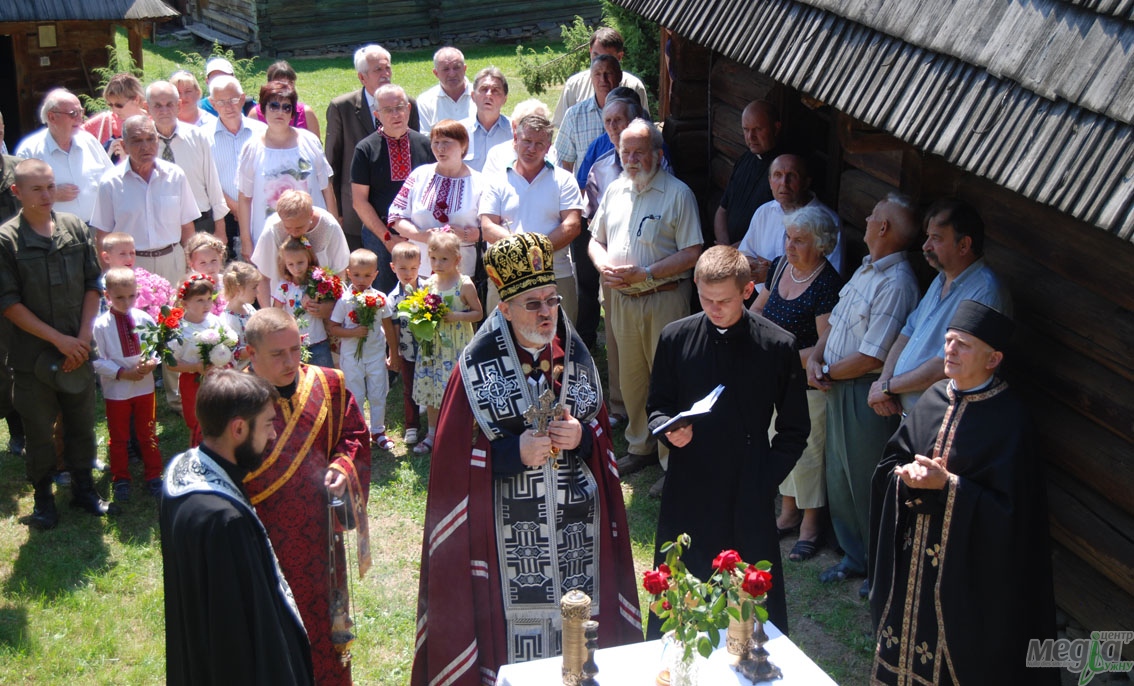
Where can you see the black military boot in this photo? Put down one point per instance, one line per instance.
(44, 516)
(85, 497)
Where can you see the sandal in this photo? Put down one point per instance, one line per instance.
(423, 447)
(784, 533)
(381, 441)
(803, 550)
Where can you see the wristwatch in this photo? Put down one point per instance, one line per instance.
(826, 371)
(886, 388)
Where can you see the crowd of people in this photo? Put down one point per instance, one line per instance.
(530, 228)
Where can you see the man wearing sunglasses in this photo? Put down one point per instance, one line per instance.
(645, 240)
(532, 505)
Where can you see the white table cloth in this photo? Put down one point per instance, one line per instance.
(638, 665)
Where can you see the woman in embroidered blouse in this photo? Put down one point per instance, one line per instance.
(283, 158)
(441, 197)
(802, 289)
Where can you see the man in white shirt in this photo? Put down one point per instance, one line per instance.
(604, 41)
(535, 196)
(186, 146)
(226, 138)
(451, 98)
(489, 127)
(151, 200)
(75, 156)
(791, 190)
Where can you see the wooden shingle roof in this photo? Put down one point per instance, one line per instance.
(83, 10)
(1035, 95)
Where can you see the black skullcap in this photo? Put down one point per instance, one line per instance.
(987, 324)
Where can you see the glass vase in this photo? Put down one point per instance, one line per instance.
(676, 670)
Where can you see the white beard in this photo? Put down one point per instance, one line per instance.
(643, 178)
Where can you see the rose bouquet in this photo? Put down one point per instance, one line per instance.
(154, 292)
(213, 346)
(423, 312)
(365, 313)
(162, 339)
(696, 610)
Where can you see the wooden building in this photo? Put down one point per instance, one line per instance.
(1023, 108)
(57, 43)
(291, 27)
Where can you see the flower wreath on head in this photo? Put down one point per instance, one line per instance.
(303, 241)
(195, 276)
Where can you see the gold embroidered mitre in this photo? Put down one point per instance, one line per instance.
(519, 263)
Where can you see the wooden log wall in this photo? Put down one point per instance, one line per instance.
(237, 18)
(1073, 290)
(300, 25)
(80, 48)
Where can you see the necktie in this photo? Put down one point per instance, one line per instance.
(167, 150)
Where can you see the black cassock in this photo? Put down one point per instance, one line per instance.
(721, 487)
(228, 617)
(961, 577)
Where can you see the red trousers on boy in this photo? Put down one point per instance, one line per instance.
(119, 414)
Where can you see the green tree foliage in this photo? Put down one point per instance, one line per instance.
(641, 38)
(539, 70)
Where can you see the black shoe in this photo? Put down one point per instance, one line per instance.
(153, 487)
(121, 491)
(635, 463)
(44, 516)
(84, 497)
(864, 590)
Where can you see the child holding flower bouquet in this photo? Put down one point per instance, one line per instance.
(362, 357)
(205, 343)
(438, 356)
(240, 282)
(127, 383)
(298, 265)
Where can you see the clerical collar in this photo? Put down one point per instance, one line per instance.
(289, 390)
(234, 471)
(975, 389)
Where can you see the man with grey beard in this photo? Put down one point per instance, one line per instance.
(646, 238)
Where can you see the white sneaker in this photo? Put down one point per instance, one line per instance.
(411, 436)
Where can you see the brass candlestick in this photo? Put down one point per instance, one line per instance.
(575, 608)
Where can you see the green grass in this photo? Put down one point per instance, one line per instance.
(82, 604)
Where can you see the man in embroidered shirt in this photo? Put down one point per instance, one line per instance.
(646, 238)
(533, 510)
(229, 613)
(451, 98)
(960, 553)
(954, 246)
(848, 356)
(350, 118)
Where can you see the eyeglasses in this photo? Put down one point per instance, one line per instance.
(537, 305)
(276, 106)
(230, 102)
(74, 114)
(392, 110)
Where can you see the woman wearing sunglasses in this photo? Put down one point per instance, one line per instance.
(283, 158)
(125, 98)
(303, 117)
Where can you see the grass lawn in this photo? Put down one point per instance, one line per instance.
(82, 604)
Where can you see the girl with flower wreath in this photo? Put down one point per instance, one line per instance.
(195, 296)
(296, 261)
(434, 368)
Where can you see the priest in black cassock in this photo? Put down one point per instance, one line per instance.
(229, 613)
(960, 560)
(723, 472)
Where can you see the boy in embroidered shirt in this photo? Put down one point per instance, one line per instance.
(127, 383)
(406, 263)
(362, 356)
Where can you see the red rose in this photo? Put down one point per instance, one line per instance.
(666, 606)
(371, 301)
(323, 287)
(726, 561)
(354, 316)
(756, 582)
(656, 581)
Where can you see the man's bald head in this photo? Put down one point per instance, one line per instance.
(892, 226)
(790, 181)
(137, 125)
(761, 124)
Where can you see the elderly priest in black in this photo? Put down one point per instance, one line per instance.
(229, 613)
(959, 550)
(724, 473)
